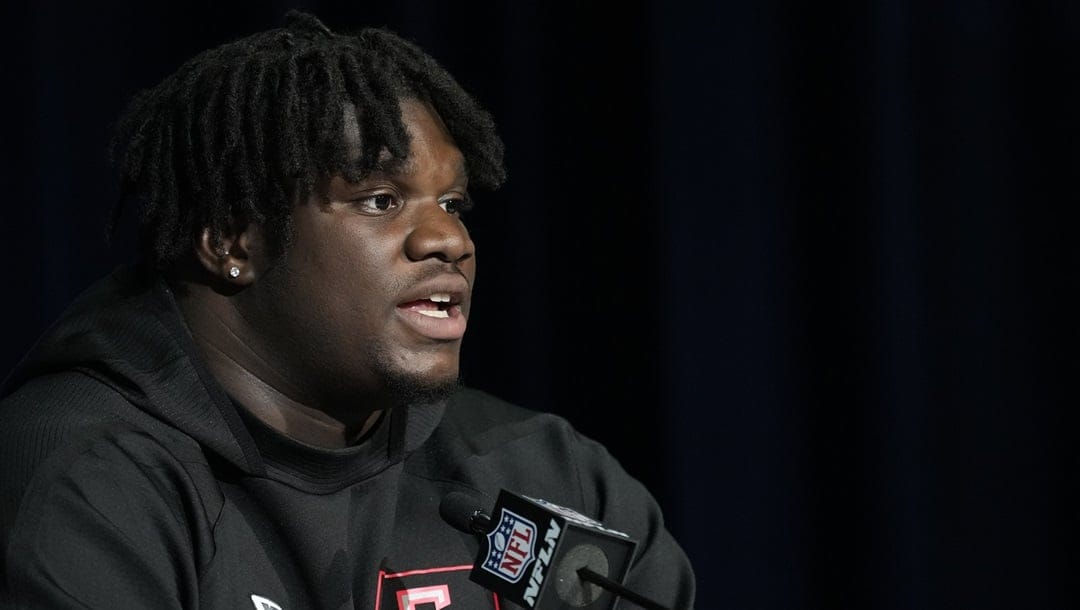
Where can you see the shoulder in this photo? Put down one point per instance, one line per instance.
(110, 515)
(527, 451)
(48, 414)
(534, 445)
(70, 434)
(61, 411)
(85, 442)
(113, 462)
(488, 423)
(61, 398)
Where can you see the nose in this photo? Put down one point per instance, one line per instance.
(438, 234)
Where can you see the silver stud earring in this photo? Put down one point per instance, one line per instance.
(234, 272)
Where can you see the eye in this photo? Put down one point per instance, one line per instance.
(379, 203)
(456, 205)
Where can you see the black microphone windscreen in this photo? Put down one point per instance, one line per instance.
(457, 508)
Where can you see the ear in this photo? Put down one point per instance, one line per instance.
(230, 260)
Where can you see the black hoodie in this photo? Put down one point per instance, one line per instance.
(128, 479)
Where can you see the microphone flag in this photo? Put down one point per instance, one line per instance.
(532, 555)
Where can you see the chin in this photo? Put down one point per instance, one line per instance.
(408, 390)
(417, 377)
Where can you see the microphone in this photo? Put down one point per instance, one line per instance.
(544, 556)
(464, 513)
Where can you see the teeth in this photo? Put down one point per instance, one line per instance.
(433, 313)
(440, 297)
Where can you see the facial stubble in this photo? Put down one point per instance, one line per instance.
(406, 389)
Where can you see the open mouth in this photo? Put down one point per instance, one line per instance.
(436, 315)
(437, 305)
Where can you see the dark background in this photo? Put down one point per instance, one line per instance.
(806, 270)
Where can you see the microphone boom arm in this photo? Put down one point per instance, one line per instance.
(603, 581)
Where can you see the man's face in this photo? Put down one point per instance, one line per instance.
(369, 305)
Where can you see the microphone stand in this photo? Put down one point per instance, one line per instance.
(606, 583)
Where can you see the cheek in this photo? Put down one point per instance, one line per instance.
(347, 273)
(337, 258)
(353, 279)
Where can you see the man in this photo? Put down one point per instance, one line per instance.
(265, 411)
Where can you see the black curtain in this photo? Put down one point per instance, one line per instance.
(806, 270)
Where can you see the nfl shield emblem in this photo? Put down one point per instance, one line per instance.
(510, 547)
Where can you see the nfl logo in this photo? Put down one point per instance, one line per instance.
(510, 547)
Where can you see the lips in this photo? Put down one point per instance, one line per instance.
(434, 311)
(437, 305)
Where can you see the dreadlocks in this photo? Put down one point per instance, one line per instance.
(241, 132)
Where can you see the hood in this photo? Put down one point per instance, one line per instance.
(127, 332)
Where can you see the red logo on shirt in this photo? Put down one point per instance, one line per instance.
(432, 589)
(410, 599)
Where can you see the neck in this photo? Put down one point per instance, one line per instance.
(253, 382)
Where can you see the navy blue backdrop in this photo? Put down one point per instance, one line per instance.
(807, 271)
